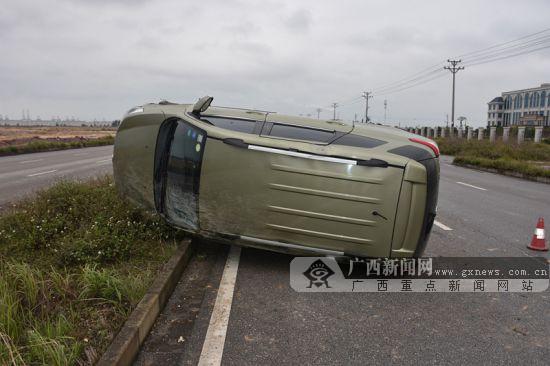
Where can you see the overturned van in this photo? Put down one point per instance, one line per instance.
(278, 182)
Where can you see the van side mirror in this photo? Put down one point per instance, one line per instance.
(202, 105)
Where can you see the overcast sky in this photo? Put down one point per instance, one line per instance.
(96, 59)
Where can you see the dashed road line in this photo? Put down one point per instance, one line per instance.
(212, 348)
(30, 161)
(472, 186)
(35, 174)
(103, 161)
(442, 226)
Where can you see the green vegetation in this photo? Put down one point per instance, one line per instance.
(74, 262)
(38, 146)
(528, 158)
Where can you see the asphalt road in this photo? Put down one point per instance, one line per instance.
(21, 175)
(480, 214)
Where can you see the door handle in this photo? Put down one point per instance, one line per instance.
(373, 162)
(235, 142)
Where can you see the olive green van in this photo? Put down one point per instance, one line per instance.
(282, 183)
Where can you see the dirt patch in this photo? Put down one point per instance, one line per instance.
(14, 136)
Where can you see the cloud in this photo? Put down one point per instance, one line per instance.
(97, 59)
(299, 21)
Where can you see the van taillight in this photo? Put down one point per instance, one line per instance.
(430, 144)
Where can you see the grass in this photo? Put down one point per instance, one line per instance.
(505, 165)
(38, 146)
(74, 262)
(525, 158)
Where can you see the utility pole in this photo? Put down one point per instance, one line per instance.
(334, 105)
(453, 69)
(367, 96)
(318, 112)
(385, 108)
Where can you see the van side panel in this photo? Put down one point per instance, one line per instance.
(291, 199)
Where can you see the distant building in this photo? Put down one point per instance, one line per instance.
(526, 107)
(494, 116)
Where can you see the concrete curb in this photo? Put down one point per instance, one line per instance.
(508, 173)
(125, 346)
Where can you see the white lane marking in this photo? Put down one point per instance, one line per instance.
(35, 174)
(472, 186)
(30, 161)
(102, 161)
(212, 348)
(442, 226)
(79, 154)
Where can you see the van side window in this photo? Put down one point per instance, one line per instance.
(233, 124)
(301, 133)
(358, 141)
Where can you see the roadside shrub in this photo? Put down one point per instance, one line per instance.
(80, 224)
(504, 165)
(50, 343)
(484, 148)
(74, 261)
(527, 158)
(37, 313)
(100, 283)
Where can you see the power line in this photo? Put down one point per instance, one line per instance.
(349, 101)
(478, 55)
(489, 54)
(438, 76)
(514, 48)
(502, 44)
(359, 100)
(344, 103)
(506, 56)
(495, 55)
(428, 70)
(382, 90)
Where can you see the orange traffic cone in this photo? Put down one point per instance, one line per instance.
(538, 242)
